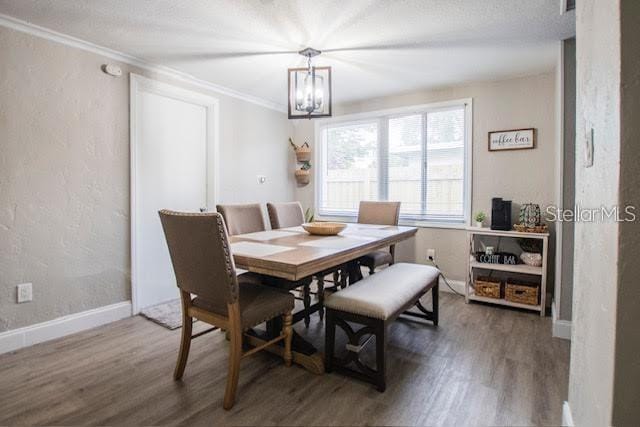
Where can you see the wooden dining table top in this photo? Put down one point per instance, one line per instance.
(293, 254)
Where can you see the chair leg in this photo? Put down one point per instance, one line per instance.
(185, 343)
(392, 250)
(320, 280)
(288, 334)
(372, 270)
(235, 354)
(306, 301)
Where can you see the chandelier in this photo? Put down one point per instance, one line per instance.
(309, 89)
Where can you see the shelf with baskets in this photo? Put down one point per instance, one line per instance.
(515, 284)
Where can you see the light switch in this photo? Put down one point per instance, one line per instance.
(262, 179)
(588, 149)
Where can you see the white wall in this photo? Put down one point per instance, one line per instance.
(522, 176)
(64, 175)
(605, 373)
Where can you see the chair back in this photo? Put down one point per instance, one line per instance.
(384, 213)
(283, 215)
(241, 219)
(200, 255)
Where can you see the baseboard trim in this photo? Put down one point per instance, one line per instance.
(457, 285)
(62, 326)
(567, 417)
(559, 328)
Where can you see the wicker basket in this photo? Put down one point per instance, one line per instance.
(488, 287)
(537, 229)
(302, 176)
(522, 293)
(303, 153)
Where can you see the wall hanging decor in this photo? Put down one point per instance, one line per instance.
(514, 139)
(303, 156)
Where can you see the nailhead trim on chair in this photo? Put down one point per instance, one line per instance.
(230, 266)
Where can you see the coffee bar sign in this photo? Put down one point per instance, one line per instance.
(515, 139)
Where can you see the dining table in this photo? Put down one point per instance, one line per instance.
(289, 258)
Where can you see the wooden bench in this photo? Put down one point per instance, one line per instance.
(374, 302)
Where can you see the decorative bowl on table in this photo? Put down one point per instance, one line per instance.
(324, 228)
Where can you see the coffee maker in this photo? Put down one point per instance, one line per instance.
(500, 214)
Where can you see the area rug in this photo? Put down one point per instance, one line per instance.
(167, 314)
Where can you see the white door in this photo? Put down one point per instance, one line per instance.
(173, 148)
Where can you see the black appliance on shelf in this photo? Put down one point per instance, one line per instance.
(500, 214)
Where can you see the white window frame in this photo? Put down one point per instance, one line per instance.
(376, 115)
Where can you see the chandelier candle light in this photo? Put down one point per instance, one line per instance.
(309, 89)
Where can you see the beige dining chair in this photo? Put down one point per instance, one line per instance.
(382, 213)
(284, 215)
(290, 214)
(242, 218)
(209, 290)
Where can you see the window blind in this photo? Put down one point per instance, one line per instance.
(416, 158)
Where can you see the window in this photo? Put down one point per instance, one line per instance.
(417, 156)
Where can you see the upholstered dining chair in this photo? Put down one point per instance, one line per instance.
(382, 213)
(242, 218)
(209, 290)
(284, 215)
(290, 214)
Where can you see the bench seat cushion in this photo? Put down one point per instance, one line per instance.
(384, 294)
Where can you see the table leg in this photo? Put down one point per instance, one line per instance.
(304, 353)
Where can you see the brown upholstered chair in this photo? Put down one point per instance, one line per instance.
(283, 215)
(241, 219)
(383, 213)
(204, 268)
(290, 214)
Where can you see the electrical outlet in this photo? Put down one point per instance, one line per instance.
(25, 292)
(431, 254)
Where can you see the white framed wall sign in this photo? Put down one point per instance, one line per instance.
(514, 139)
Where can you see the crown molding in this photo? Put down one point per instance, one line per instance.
(55, 36)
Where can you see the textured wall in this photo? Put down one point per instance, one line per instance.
(522, 176)
(64, 175)
(596, 255)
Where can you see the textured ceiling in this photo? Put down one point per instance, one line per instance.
(376, 48)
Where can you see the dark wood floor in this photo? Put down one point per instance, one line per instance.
(481, 366)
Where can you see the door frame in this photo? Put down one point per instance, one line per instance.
(137, 85)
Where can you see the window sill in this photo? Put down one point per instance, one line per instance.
(405, 222)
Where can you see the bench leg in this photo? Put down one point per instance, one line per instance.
(435, 296)
(329, 341)
(426, 314)
(357, 341)
(381, 365)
